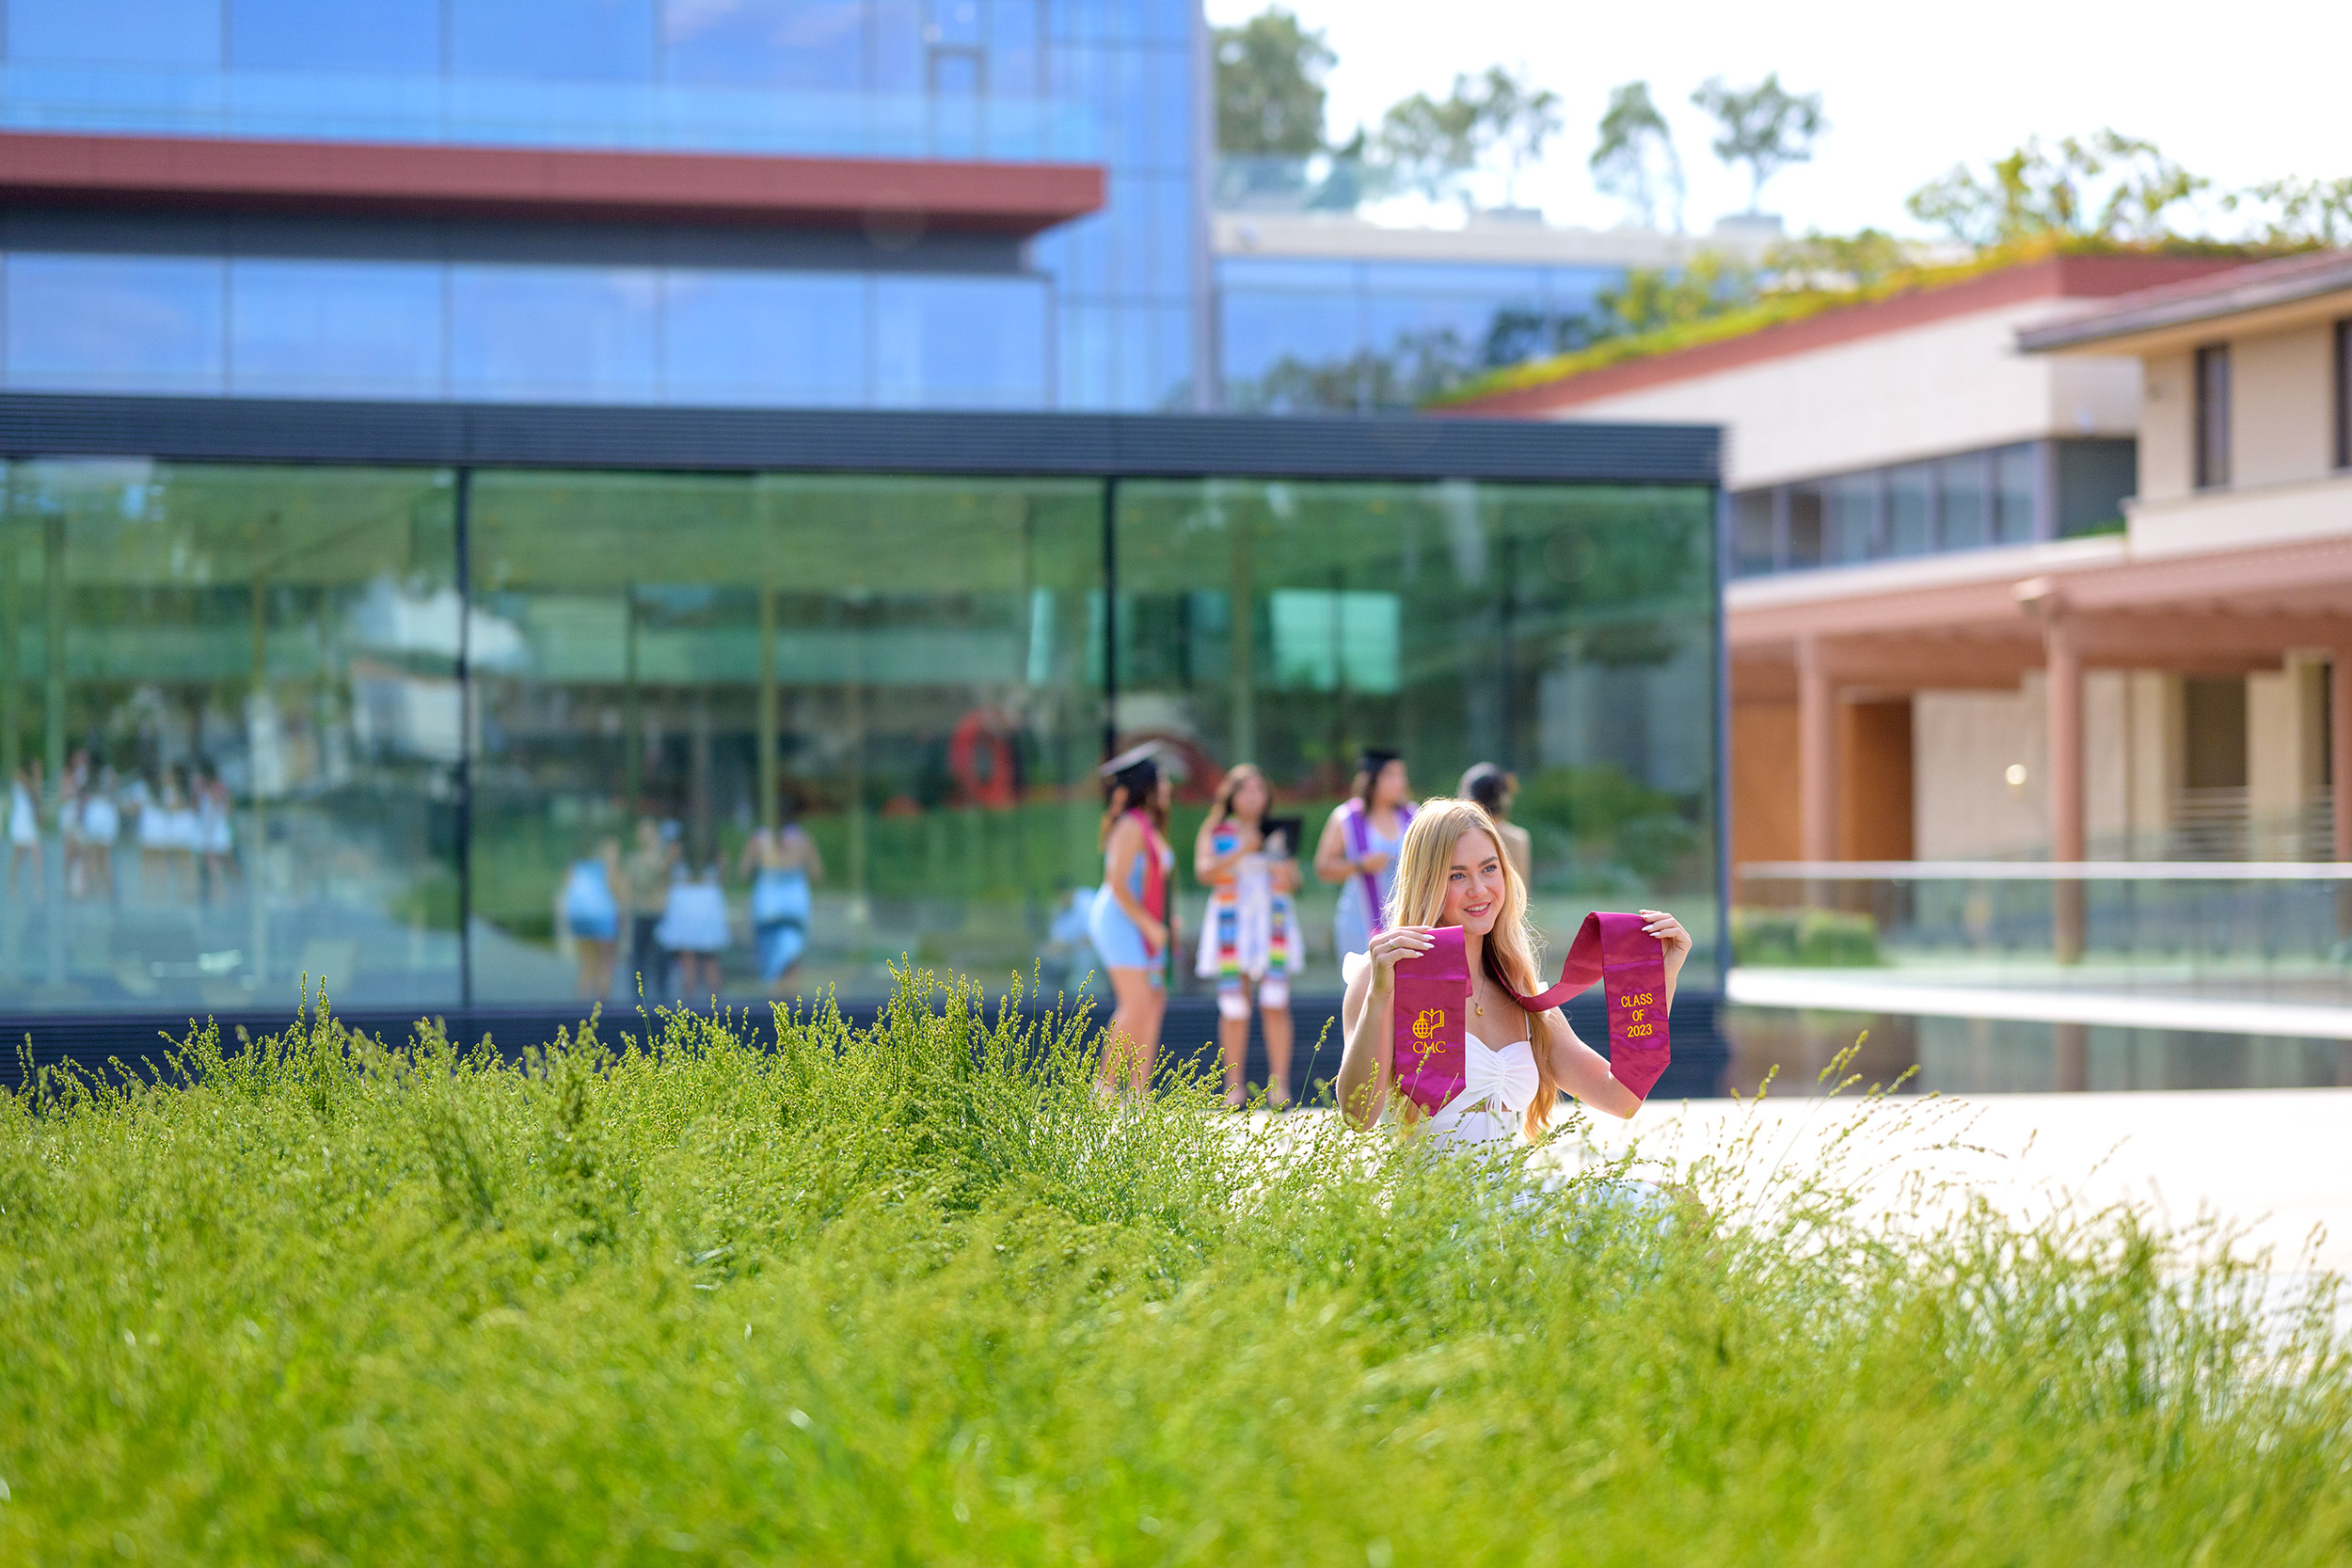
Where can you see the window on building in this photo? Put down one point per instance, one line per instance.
(1805, 530)
(1910, 509)
(1852, 523)
(2212, 416)
(1752, 541)
(2344, 394)
(2094, 479)
(2012, 495)
(1961, 488)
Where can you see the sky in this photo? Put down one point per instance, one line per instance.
(2239, 93)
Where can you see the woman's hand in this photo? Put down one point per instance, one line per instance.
(1155, 933)
(1388, 946)
(1671, 937)
(1285, 877)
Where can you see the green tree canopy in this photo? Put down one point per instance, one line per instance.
(1430, 143)
(1269, 85)
(1636, 161)
(2107, 185)
(2302, 211)
(1766, 127)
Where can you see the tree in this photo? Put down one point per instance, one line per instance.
(1856, 261)
(1766, 127)
(1635, 160)
(1430, 143)
(1269, 87)
(2302, 211)
(1652, 297)
(1516, 117)
(2108, 186)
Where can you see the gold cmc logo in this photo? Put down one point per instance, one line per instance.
(1426, 1026)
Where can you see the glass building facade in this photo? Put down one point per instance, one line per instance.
(1099, 314)
(1304, 332)
(359, 722)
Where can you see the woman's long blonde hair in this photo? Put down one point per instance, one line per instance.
(1417, 897)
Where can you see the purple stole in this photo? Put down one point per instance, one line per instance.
(1358, 823)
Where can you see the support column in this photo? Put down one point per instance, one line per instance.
(2065, 713)
(769, 782)
(1816, 755)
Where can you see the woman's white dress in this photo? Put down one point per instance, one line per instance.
(1499, 1084)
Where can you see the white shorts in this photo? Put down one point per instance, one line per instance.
(1233, 996)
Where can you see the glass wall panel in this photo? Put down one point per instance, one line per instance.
(568, 334)
(754, 337)
(1753, 545)
(402, 35)
(815, 44)
(1910, 509)
(130, 324)
(116, 32)
(2012, 494)
(1852, 507)
(1565, 633)
(357, 329)
(1963, 501)
(959, 343)
(1807, 506)
(581, 41)
(667, 664)
(231, 691)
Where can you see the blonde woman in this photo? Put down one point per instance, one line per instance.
(1452, 871)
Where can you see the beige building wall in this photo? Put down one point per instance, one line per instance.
(2285, 753)
(2280, 403)
(2167, 427)
(1948, 386)
(1964, 743)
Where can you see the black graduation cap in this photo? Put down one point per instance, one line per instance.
(1374, 758)
(1138, 768)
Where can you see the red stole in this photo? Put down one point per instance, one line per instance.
(1432, 994)
(1154, 878)
(1631, 964)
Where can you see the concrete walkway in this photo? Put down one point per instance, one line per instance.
(2276, 1162)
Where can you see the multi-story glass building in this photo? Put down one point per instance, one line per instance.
(453, 442)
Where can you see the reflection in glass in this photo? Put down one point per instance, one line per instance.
(1965, 507)
(335, 328)
(2012, 493)
(687, 659)
(1565, 633)
(734, 337)
(959, 343)
(818, 46)
(1850, 504)
(1910, 509)
(1806, 505)
(240, 686)
(116, 32)
(1753, 547)
(144, 324)
(573, 334)
(402, 35)
(582, 40)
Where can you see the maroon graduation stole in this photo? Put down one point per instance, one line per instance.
(1432, 994)
(1631, 966)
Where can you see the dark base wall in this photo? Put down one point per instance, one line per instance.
(1701, 1054)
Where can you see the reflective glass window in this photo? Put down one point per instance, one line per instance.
(958, 343)
(1084, 343)
(763, 337)
(1266, 332)
(689, 659)
(357, 329)
(954, 24)
(1754, 545)
(1169, 271)
(1910, 509)
(116, 32)
(1015, 44)
(1964, 501)
(2094, 479)
(1270, 272)
(1807, 523)
(1168, 132)
(2012, 493)
(585, 41)
(899, 55)
(130, 324)
(815, 45)
(572, 334)
(1849, 517)
(253, 725)
(306, 34)
(1563, 633)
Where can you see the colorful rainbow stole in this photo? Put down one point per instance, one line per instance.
(1225, 914)
(1631, 964)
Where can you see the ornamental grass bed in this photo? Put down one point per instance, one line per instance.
(915, 1294)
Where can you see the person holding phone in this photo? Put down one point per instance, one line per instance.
(1249, 936)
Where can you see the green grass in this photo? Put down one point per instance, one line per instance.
(914, 1295)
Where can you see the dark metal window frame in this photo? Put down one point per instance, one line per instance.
(2342, 388)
